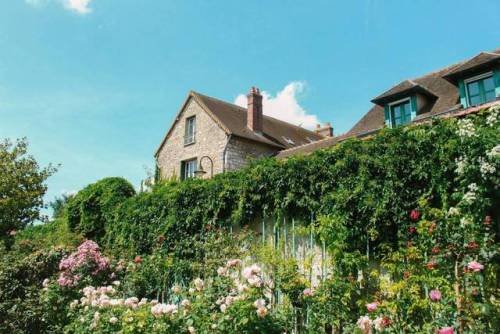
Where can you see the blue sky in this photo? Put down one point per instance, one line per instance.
(94, 84)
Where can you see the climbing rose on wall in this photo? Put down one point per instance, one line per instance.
(414, 215)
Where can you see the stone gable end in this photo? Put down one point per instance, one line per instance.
(210, 140)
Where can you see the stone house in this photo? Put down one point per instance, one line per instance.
(215, 136)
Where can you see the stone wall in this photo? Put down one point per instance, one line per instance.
(210, 140)
(239, 151)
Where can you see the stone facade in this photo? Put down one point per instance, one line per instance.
(227, 152)
(210, 140)
(240, 151)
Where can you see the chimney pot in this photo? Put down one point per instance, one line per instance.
(325, 131)
(254, 110)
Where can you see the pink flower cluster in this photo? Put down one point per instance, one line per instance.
(86, 256)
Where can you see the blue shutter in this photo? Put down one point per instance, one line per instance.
(387, 115)
(413, 105)
(461, 92)
(496, 79)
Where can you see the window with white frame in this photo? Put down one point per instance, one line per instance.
(189, 135)
(480, 89)
(188, 168)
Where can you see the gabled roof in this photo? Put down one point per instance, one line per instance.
(402, 89)
(482, 60)
(446, 102)
(233, 120)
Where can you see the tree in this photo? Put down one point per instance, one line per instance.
(22, 187)
(59, 204)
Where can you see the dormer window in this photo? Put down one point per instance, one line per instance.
(480, 89)
(400, 112)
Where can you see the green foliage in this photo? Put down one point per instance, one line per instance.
(21, 307)
(92, 209)
(59, 205)
(44, 236)
(22, 188)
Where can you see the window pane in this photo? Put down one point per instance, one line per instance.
(397, 112)
(474, 100)
(490, 96)
(489, 85)
(473, 88)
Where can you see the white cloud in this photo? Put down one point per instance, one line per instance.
(78, 6)
(285, 105)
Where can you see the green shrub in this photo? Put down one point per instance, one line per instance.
(44, 236)
(92, 209)
(21, 278)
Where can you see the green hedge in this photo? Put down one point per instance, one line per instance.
(92, 209)
(370, 185)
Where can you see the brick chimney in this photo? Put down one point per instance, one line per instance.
(325, 130)
(254, 110)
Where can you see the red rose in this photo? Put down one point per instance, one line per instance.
(412, 230)
(435, 250)
(406, 275)
(431, 265)
(414, 215)
(386, 321)
(137, 259)
(472, 245)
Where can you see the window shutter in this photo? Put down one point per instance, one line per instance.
(183, 169)
(496, 79)
(387, 115)
(413, 105)
(461, 92)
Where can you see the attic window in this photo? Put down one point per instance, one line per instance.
(289, 141)
(480, 89)
(400, 112)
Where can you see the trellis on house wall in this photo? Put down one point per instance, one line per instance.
(295, 238)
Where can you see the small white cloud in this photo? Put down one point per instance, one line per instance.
(285, 105)
(78, 6)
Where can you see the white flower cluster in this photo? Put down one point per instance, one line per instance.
(470, 195)
(252, 275)
(162, 309)
(100, 297)
(492, 118)
(260, 305)
(486, 167)
(466, 128)
(365, 324)
(461, 165)
(494, 152)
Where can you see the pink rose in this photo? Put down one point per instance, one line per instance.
(308, 292)
(446, 330)
(414, 215)
(475, 266)
(435, 295)
(372, 306)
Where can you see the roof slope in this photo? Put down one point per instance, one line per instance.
(233, 120)
(434, 82)
(275, 131)
(447, 100)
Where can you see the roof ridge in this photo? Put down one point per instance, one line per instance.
(245, 110)
(455, 65)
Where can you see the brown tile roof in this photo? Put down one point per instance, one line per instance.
(447, 101)
(233, 120)
(402, 89)
(482, 60)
